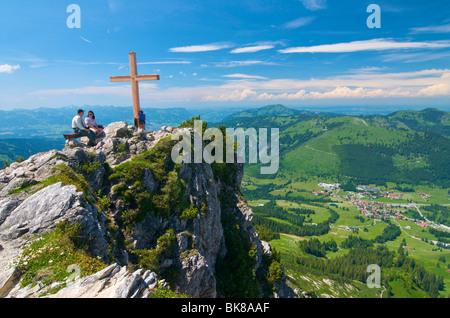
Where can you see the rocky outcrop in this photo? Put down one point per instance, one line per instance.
(34, 198)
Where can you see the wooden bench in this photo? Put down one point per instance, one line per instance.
(72, 136)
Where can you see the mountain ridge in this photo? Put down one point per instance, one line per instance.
(124, 207)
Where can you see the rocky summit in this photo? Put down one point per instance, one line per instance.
(121, 219)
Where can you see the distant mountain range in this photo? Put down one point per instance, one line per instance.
(26, 132)
(53, 122)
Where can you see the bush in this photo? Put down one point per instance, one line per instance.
(275, 272)
(149, 259)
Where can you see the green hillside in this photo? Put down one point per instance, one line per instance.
(404, 154)
(358, 148)
(13, 149)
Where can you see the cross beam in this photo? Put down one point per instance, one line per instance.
(134, 78)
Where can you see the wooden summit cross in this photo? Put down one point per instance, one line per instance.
(134, 78)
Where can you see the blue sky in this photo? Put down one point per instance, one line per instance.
(230, 53)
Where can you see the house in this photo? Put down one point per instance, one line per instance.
(329, 186)
(367, 189)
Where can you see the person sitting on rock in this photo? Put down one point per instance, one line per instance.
(79, 127)
(91, 123)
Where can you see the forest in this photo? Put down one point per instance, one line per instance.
(354, 265)
(294, 221)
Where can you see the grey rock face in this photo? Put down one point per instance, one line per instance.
(149, 181)
(197, 277)
(199, 240)
(42, 211)
(112, 282)
(207, 228)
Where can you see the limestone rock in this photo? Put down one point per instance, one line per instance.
(43, 210)
(116, 130)
(199, 240)
(112, 282)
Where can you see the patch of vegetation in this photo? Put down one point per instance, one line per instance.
(264, 233)
(62, 173)
(128, 180)
(168, 293)
(150, 259)
(120, 148)
(88, 168)
(317, 248)
(189, 213)
(48, 258)
(172, 196)
(437, 213)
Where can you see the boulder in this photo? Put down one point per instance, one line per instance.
(112, 282)
(116, 130)
(43, 210)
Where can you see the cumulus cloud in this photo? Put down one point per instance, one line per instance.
(428, 83)
(6, 68)
(235, 96)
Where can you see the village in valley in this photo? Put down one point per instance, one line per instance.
(369, 201)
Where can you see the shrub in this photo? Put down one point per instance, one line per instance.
(149, 259)
(189, 213)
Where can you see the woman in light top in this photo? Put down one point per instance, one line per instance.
(92, 123)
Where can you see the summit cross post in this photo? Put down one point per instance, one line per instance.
(134, 78)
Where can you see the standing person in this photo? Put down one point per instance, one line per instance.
(79, 127)
(91, 123)
(142, 120)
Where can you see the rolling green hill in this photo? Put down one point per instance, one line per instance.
(405, 151)
(368, 149)
(13, 149)
(429, 119)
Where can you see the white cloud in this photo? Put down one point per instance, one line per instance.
(367, 45)
(235, 96)
(85, 40)
(238, 75)
(241, 63)
(445, 28)
(367, 69)
(414, 57)
(428, 83)
(165, 62)
(6, 68)
(252, 49)
(314, 5)
(425, 83)
(200, 48)
(298, 23)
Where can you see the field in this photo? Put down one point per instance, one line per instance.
(287, 194)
